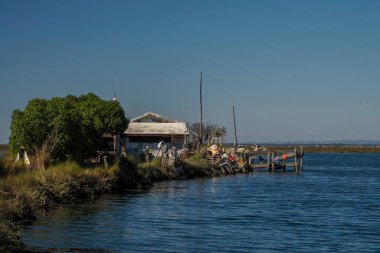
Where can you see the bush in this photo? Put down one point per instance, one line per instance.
(9, 167)
(23, 192)
(63, 128)
(10, 240)
(155, 163)
(62, 183)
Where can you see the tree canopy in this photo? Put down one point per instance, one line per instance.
(80, 123)
(209, 130)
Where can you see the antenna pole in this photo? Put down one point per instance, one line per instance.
(200, 98)
(233, 111)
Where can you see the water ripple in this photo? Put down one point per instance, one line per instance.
(331, 207)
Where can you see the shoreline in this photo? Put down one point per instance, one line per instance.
(23, 195)
(307, 148)
(334, 149)
(19, 205)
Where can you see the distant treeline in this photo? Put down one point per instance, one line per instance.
(342, 149)
(3, 147)
(321, 148)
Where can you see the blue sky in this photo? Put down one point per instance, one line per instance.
(295, 70)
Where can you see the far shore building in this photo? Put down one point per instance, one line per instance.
(149, 129)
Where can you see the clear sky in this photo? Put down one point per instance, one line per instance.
(295, 70)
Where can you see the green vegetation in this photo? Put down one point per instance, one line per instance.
(69, 128)
(59, 134)
(194, 167)
(10, 237)
(198, 166)
(23, 191)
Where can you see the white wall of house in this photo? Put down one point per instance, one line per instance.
(149, 129)
(139, 147)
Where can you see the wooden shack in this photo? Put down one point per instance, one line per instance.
(149, 129)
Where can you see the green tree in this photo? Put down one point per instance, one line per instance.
(209, 130)
(80, 123)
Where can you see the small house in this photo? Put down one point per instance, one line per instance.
(149, 129)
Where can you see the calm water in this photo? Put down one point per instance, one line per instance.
(333, 206)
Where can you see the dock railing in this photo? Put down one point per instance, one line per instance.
(273, 160)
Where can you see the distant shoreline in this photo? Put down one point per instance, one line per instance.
(334, 149)
(308, 148)
(338, 149)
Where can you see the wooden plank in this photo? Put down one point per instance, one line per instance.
(256, 153)
(259, 165)
(273, 165)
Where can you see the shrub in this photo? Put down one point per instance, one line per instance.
(9, 167)
(10, 240)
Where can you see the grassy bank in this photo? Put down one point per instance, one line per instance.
(24, 192)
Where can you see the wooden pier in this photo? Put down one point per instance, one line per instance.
(272, 160)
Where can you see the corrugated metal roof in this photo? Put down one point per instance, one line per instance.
(155, 116)
(141, 128)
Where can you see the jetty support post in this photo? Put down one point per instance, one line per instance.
(296, 160)
(272, 160)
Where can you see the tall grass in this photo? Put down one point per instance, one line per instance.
(8, 166)
(195, 166)
(23, 191)
(62, 183)
(198, 166)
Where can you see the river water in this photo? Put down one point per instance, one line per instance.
(332, 206)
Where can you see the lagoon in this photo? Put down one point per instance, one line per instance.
(332, 206)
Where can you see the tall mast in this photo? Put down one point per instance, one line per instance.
(200, 98)
(233, 111)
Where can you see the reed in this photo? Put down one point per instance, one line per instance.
(9, 167)
(24, 191)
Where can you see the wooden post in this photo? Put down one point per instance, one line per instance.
(272, 154)
(200, 98)
(233, 111)
(295, 160)
(105, 162)
(268, 158)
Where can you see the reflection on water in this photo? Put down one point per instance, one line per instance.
(331, 207)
